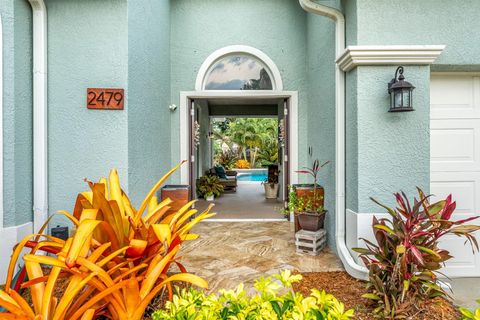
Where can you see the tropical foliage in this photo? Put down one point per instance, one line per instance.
(209, 185)
(227, 159)
(303, 204)
(406, 257)
(117, 261)
(267, 303)
(470, 315)
(254, 140)
(242, 164)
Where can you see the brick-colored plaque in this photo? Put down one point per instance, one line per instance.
(105, 99)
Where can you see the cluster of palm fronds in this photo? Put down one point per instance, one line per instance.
(250, 139)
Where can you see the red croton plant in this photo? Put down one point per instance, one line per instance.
(404, 262)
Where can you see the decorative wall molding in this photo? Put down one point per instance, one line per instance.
(354, 56)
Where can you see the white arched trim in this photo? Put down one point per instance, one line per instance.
(273, 71)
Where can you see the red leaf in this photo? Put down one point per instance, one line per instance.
(448, 209)
(417, 254)
(466, 220)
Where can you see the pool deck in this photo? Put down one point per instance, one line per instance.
(247, 203)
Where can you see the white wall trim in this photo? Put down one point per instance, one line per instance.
(351, 266)
(10, 237)
(273, 71)
(247, 94)
(359, 225)
(40, 149)
(354, 56)
(1, 123)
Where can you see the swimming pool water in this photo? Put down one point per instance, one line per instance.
(252, 176)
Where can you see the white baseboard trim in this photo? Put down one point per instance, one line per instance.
(359, 225)
(10, 237)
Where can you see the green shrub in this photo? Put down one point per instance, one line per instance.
(209, 185)
(470, 315)
(273, 299)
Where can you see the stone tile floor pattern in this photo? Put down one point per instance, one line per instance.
(228, 253)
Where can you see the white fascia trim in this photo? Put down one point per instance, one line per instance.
(351, 266)
(222, 52)
(1, 122)
(40, 150)
(354, 56)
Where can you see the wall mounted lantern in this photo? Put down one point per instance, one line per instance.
(400, 93)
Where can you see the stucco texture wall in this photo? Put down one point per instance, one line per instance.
(148, 94)
(88, 47)
(453, 23)
(321, 107)
(393, 148)
(277, 27)
(17, 111)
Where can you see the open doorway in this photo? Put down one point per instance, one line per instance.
(239, 152)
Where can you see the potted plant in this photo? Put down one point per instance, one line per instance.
(271, 183)
(311, 190)
(309, 208)
(209, 187)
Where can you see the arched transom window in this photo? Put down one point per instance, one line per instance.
(238, 72)
(238, 68)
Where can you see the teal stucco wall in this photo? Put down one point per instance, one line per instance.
(277, 27)
(393, 148)
(148, 95)
(390, 152)
(453, 23)
(17, 111)
(321, 106)
(88, 47)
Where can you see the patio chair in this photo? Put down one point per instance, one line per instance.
(228, 181)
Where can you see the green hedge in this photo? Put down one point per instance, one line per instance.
(273, 299)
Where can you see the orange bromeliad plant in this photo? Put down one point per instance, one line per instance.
(117, 261)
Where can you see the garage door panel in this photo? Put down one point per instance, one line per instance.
(465, 263)
(455, 97)
(455, 160)
(455, 145)
(464, 191)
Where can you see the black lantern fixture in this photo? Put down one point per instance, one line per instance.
(400, 93)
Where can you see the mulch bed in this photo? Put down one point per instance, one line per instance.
(345, 288)
(349, 291)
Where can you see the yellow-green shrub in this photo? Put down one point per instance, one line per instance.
(470, 315)
(267, 303)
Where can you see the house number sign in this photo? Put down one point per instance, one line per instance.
(105, 99)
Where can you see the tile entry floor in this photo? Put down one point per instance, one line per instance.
(248, 202)
(228, 253)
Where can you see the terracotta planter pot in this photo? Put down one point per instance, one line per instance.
(306, 191)
(311, 221)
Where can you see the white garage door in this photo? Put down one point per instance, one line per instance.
(455, 158)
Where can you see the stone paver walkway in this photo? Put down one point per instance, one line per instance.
(228, 253)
